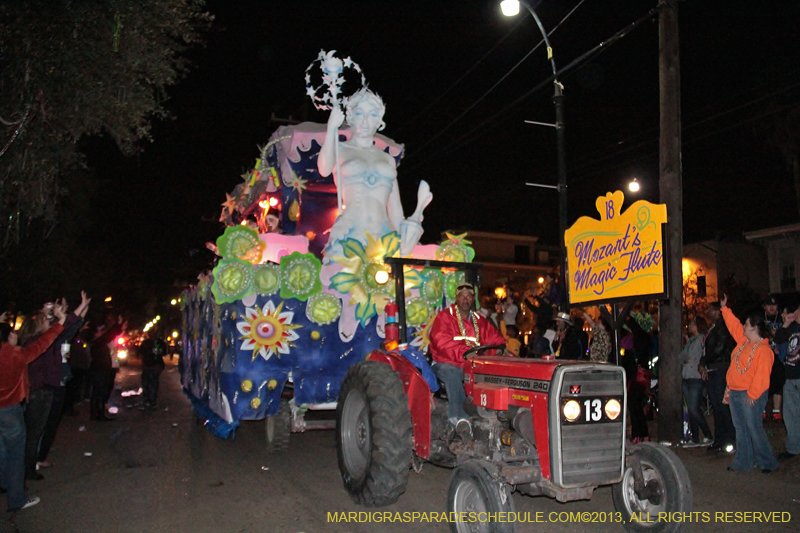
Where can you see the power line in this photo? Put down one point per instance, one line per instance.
(463, 76)
(690, 127)
(493, 87)
(592, 53)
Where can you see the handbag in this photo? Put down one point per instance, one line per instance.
(641, 383)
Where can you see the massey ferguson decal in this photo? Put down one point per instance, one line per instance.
(574, 389)
(536, 385)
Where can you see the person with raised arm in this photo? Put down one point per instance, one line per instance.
(748, 382)
(14, 390)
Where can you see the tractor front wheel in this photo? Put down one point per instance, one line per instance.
(666, 489)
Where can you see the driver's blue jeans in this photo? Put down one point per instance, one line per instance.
(453, 378)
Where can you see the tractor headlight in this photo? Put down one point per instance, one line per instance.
(572, 410)
(613, 409)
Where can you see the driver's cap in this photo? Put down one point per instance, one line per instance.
(466, 287)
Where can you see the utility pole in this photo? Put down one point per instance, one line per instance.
(670, 420)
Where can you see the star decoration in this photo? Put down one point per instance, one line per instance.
(229, 203)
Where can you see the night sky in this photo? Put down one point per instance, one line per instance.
(432, 62)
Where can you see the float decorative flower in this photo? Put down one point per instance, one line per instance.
(300, 276)
(233, 280)
(267, 331)
(456, 248)
(267, 279)
(241, 242)
(451, 282)
(433, 286)
(417, 311)
(323, 308)
(358, 274)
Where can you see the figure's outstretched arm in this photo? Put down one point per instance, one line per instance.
(326, 161)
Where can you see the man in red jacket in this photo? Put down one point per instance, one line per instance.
(455, 330)
(14, 389)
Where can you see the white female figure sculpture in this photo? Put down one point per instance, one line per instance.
(367, 180)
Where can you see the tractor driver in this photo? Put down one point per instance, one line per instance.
(455, 330)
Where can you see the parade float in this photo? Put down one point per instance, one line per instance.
(301, 289)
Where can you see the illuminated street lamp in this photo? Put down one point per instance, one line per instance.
(511, 8)
(634, 185)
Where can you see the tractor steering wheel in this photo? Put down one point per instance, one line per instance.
(476, 349)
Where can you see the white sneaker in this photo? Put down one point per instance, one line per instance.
(31, 502)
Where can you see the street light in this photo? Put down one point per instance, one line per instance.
(634, 185)
(511, 8)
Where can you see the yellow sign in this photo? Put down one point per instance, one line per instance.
(619, 256)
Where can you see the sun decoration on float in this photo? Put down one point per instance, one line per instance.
(267, 331)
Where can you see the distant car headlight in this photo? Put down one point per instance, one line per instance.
(572, 410)
(122, 354)
(613, 409)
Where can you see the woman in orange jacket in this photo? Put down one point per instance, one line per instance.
(748, 381)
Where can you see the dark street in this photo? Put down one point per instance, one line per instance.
(154, 471)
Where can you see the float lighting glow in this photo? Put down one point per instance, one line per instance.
(173, 301)
(381, 277)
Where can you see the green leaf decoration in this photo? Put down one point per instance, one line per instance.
(391, 244)
(267, 279)
(241, 242)
(344, 281)
(417, 311)
(413, 278)
(353, 248)
(233, 280)
(323, 308)
(366, 310)
(433, 287)
(300, 276)
(451, 282)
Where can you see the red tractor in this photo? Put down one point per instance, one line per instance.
(541, 427)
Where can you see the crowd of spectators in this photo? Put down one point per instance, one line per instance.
(731, 369)
(51, 363)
